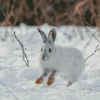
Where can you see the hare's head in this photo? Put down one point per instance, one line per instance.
(48, 49)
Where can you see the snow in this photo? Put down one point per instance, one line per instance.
(17, 81)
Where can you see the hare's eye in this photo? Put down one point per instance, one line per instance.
(50, 50)
(41, 49)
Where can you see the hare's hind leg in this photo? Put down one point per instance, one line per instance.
(69, 83)
(65, 77)
(40, 79)
(51, 78)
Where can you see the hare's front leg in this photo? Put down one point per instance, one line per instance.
(51, 77)
(40, 79)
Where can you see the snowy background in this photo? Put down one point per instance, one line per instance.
(17, 81)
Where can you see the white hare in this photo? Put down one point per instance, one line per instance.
(67, 62)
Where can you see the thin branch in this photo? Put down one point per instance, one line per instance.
(20, 10)
(9, 90)
(2, 9)
(95, 8)
(90, 40)
(92, 34)
(23, 50)
(96, 49)
(90, 25)
(88, 43)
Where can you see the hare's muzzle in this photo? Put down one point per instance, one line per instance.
(43, 57)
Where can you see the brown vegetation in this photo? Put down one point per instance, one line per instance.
(53, 12)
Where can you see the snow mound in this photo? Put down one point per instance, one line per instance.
(17, 81)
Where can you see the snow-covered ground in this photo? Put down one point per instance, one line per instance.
(17, 81)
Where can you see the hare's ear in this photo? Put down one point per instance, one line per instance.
(52, 36)
(43, 35)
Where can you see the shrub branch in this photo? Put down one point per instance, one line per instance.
(23, 50)
(96, 49)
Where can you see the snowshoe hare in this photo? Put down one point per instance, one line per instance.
(67, 62)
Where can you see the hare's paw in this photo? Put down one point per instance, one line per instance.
(39, 81)
(50, 81)
(69, 83)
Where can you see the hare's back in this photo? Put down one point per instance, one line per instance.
(69, 56)
(72, 60)
(68, 52)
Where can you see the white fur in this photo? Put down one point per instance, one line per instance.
(67, 61)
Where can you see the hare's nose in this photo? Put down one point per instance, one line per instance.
(43, 57)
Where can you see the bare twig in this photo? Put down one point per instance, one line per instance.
(95, 8)
(2, 7)
(9, 90)
(92, 34)
(96, 49)
(23, 50)
(90, 25)
(88, 43)
(20, 10)
(90, 40)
